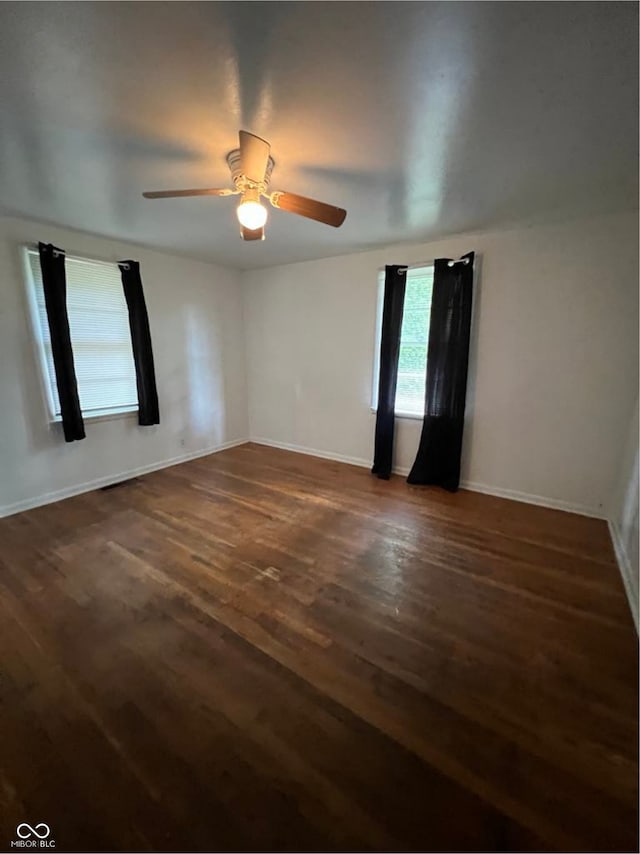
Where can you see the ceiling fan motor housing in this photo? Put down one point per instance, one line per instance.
(240, 181)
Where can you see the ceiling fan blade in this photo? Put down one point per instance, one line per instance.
(254, 156)
(172, 194)
(252, 233)
(310, 208)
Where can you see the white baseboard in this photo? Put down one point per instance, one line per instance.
(626, 571)
(313, 452)
(107, 480)
(530, 498)
(472, 486)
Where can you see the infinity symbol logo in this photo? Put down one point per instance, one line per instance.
(25, 830)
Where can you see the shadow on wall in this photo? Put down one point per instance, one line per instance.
(467, 440)
(204, 416)
(626, 501)
(629, 520)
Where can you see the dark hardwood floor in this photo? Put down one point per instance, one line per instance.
(259, 650)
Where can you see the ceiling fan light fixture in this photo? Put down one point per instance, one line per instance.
(250, 166)
(251, 214)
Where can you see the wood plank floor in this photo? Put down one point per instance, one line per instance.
(259, 650)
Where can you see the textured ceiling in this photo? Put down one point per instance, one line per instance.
(421, 119)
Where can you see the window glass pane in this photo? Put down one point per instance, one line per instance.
(414, 337)
(99, 325)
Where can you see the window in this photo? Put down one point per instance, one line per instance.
(414, 338)
(100, 335)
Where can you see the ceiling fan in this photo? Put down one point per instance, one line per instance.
(251, 167)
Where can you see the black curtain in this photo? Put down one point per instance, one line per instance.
(394, 287)
(148, 412)
(438, 459)
(54, 284)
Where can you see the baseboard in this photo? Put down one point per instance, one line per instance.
(88, 486)
(472, 486)
(530, 498)
(626, 571)
(313, 452)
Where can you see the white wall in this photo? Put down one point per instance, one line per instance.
(195, 314)
(553, 371)
(624, 521)
(553, 365)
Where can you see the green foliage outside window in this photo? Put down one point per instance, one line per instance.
(414, 337)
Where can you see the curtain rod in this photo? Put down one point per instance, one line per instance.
(33, 247)
(430, 264)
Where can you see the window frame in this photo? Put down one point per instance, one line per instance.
(409, 416)
(44, 377)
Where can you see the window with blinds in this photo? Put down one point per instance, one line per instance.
(100, 336)
(414, 339)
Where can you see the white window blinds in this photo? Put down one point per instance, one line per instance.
(414, 339)
(100, 336)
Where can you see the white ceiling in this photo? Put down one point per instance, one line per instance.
(421, 119)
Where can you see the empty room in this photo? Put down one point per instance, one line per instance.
(319, 426)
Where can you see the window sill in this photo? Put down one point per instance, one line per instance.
(406, 416)
(104, 415)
